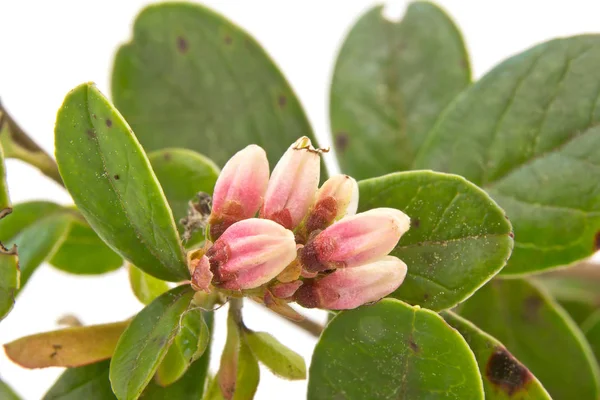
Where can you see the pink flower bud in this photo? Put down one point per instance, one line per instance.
(337, 198)
(239, 189)
(352, 287)
(250, 253)
(355, 240)
(284, 290)
(293, 185)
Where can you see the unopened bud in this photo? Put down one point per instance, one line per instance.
(239, 190)
(285, 290)
(352, 287)
(250, 253)
(293, 185)
(355, 240)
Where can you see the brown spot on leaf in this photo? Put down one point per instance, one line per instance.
(90, 134)
(57, 346)
(415, 222)
(182, 44)
(341, 141)
(426, 296)
(117, 177)
(108, 122)
(531, 308)
(512, 235)
(94, 116)
(597, 241)
(413, 345)
(505, 372)
(228, 39)
(282, 101)
(167, 156)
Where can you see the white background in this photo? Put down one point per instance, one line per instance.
(49, 47)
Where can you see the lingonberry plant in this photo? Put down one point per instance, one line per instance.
(430, 293)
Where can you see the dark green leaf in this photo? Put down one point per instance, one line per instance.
(459, 238)
(83, 252)
(112, 183)
(89, 383)
(70, 347)
(5, 205)
(392, 351)
(539, 333)
(274, 355)
(591, 328)
(189, 344)
(145, 287)
(9, 279)
(192, 79)
(6, 393)
(391, 82)
(191, 385)
(146, 341)
(504, 377)
(528, 133)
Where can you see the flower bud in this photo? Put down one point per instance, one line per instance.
(355, 240)
(285, 290)
(352, 287)
(250, 253)
(337, 198)
(293, 185)
(239, 189)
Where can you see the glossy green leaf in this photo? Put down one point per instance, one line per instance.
(146, 341)
(189, 344)
(214, 391)
(182, 174)
(591, 328)
(5, 205)
(89, 383)
(579, 296)
(10, 277)
(23, 216)
(190, 78)
(527, 132)
(391, 350)
(191, 384)
(538, 333)
(70, 347)
(83, 252)
(6, 393)
(391, 82)
(274, 355)
(504, 377)
(459, 238)
(111, 181)
(145, 287)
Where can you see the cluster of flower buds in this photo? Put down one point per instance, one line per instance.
(284, 239)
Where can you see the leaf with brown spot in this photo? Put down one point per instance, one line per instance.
(536, 331)
(504, 377)
(71, 347)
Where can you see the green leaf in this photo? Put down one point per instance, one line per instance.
(70, 347)
(111, 181)
(223, 90)
(6, 393)
(392, 350)
(146, 341)
(391, 82)
(591, 328)
(9, 279)
(504, 377)
(527, 132)
(458, 240)
(578, 295)
(248, 374)
(89, 383)
(189, 344)
(274, 355)
(538, 333)
(5, 205)
(182, 174)
(23, 216)
(191, 384)
(145, 287)
(84, 253)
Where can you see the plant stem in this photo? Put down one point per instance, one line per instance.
(17, 144)
(235, 310)
(308, 325)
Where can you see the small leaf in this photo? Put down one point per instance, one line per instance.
(146, 341)
(391, 82)
(539, 333)
(6, 393)
(224, 91)
(504, 377)
(111, 181)
(278, 358)
(145, 287)
(5, 205)
(527, 132)
(24, 215)
(591, 328)
(84, 253)
(71, 347)
(391, 350)
(191, 384)
(248, 374)
(458, 240)
(9, 279)
(189, 345)
(89, 382)
(214, 390)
